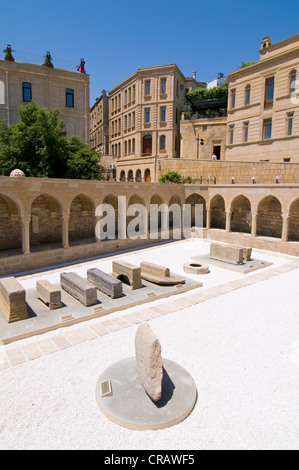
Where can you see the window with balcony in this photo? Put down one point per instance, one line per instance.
(269, 92)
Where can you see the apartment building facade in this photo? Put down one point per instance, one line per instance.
(52, 88)
(263, 106)
(144, 120)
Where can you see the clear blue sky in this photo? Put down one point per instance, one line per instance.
(115, 38)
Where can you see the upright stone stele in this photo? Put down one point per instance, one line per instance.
(149, 361)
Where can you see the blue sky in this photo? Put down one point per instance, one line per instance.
(116, 38)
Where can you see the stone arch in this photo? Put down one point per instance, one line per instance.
(46, 220)
(269, 217)
(122, 176)
(82, 219)
(138, 177)
(10, 224)
(294, 221)
(241, 214)
(194, 199)
(218, 216)
(130, 176)
(134, 199)
(147, 176)
(156, 199)
(113, 201)
(176, 202)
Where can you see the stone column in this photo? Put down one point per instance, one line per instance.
(208, 219)
(26, 235)
(285, 227)
(253, 223)
(65, 230)
(228, 220)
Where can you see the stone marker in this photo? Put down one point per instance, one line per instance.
(48, 294)
(247, 254)
(13, 300)
(149, 361)
(159, 274)
(79, 288)
(227, 253)
(105, 283)
(127, 272)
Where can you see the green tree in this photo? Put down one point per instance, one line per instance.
(84, 165)
(171, 177)
(38, 145)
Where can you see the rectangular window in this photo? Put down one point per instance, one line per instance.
(267, 131)
(147, 115)
(163, 86)
(269, 91)
(126, 97)
(27, 92)
(147, 87)
(247, 95)
(233, 99)
(245, 131)
(290, 117)
(134, 92)
(69, 98)
(163, 114)
(293, 81)
(231, 134)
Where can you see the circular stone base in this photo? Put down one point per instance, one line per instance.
(131, 407)
(196, 268)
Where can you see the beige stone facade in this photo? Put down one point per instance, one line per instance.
(263, 118)
(144, 119)
(51, 88)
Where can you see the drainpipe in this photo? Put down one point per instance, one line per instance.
(7, 100)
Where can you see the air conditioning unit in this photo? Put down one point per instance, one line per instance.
(112, 166)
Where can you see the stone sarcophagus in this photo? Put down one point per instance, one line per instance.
(49, 294)
(13, 300)
(105, 283)
(228, 253)
(128, 273)
(159, 274)
(79, 288)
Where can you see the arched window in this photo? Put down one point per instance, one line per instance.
(247, 95)
(147, 145)
(130, 176)
(292, 81)
(162, 142)
(138, 176)
(122, 176)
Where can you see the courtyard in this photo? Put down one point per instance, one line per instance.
(236, 335)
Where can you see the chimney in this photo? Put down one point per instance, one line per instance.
(194, 75)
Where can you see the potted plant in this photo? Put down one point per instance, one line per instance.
(8, 53)
(48, 60)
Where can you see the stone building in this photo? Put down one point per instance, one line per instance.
(144, 118)
(263, 119)
(52, 88)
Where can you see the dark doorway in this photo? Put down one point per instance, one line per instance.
(217, 151)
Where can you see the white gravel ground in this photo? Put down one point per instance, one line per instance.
(241, 348)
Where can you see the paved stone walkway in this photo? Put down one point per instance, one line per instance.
(13, 354)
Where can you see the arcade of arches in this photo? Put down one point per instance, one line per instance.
(50, 215)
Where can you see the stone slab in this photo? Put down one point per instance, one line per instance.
(245, 268)
(105, 282)
(130, 406)
(79, 288)
(159, 274)
(13, 300)
(48, 293)
(149, 361)
(228, 253)
(127, 271)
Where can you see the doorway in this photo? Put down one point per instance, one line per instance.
(147, 145)
(217, 151)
